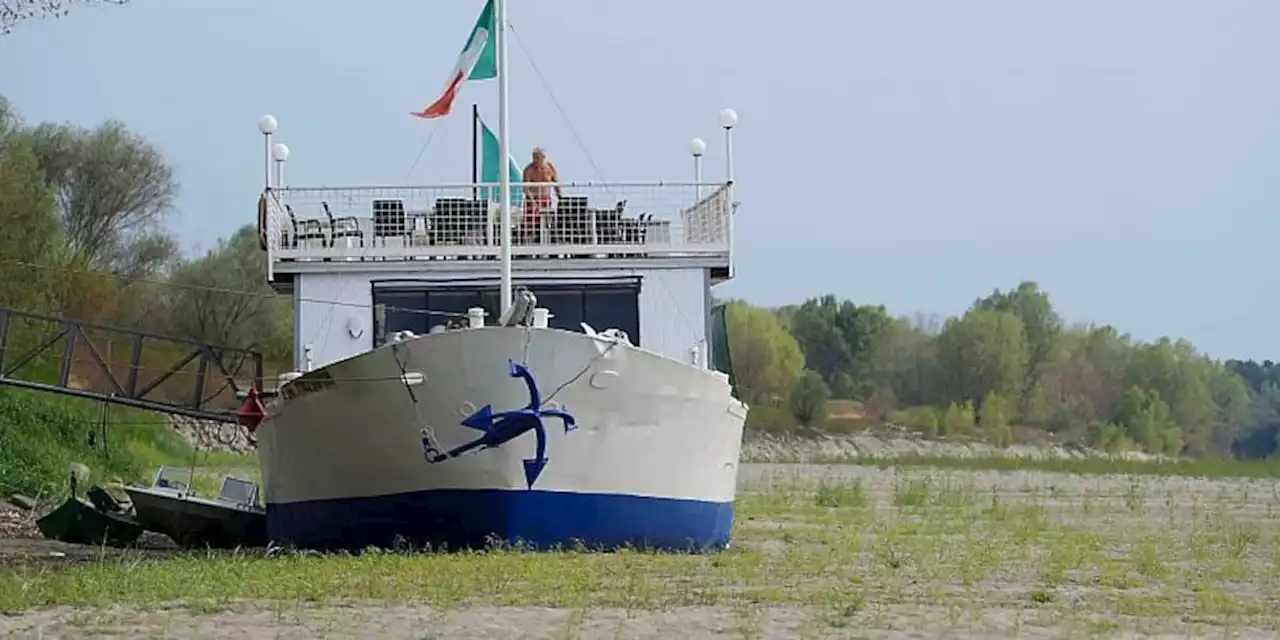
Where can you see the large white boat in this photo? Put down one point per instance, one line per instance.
(458, 386)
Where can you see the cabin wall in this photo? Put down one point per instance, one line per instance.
(334, 311)
(673, 311)
(334, 331)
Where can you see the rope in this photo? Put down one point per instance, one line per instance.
(579, 375)
(212, 289)
(45, 359)
(563, 113)
(581, 145)
(430, 136)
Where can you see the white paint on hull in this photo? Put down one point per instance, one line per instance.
(647, 425)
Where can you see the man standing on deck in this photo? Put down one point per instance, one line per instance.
(537, 198)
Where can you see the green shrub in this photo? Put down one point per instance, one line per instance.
(958, 420)
(923, 419)
(994, 420)
(808, 398)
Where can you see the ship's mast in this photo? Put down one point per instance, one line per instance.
(504, 152)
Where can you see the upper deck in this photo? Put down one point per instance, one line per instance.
(590, 225)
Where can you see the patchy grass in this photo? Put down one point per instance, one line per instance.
(1092, 465)
(41, 434)
(816, 550)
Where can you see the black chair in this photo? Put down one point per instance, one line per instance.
(571, 223)
(389, 219)
(609, 223)
(472, 218)
(351, 227)
(633, 229)
(646, 223)
(310, 229)
(572, 203)
(447, 220)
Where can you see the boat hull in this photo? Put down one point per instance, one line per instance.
(196, 522)
(77, 521)
(479, 518)
(647, 457)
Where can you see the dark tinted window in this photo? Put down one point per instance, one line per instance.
(491, 304)
(565, 305)
(601, 306)
(450, 302)
(614, 308)
(403, 312)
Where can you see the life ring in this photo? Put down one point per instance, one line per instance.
(262, 221)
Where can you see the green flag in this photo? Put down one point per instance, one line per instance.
(490, 152)
(487, 63)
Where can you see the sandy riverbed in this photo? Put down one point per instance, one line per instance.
(845, 551)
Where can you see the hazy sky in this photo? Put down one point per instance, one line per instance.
(915, 153)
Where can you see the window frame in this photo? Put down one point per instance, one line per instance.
(484, 294)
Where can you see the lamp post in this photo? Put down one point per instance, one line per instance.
(280, 153)
(267, 125)
(728, 119)
(697, 147)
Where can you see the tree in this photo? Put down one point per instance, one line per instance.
(766, 359)
(837, 339)
(1084, 381)
(112, 190)
(981, 352)
(29, 223)
(1259, 436)
(1145, 417)
(1255, 375)
(1182, 378)
(1041, 323)
(958, 419)
(14, 11)
(1231, 398)
(9, 120)
(223, 298)
(906, 362)
(808, 398)
(994, 419)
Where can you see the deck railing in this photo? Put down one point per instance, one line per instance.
(592, 220)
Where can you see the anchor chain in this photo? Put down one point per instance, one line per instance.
(431, 448)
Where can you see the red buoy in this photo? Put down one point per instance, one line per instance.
(251, 412)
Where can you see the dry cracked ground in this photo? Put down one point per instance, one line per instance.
(819, 552)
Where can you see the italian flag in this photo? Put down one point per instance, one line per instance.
(478, 61)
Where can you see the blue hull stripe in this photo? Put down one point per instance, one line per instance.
(471, 518)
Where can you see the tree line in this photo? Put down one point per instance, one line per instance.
(1008, 364)
(86, 215)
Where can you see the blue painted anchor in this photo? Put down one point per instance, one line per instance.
(498, 428)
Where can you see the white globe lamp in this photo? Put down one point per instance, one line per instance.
(267, 124)
(280, 153)
(728, 118)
